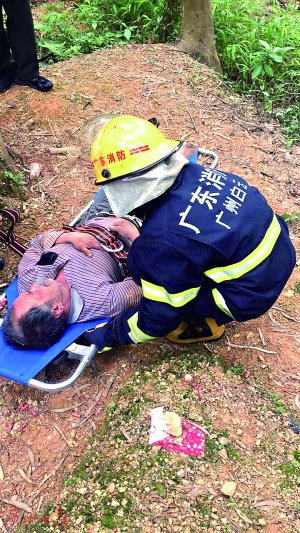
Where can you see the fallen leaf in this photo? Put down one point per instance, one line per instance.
(25, 477)
(18, 504)
(2, 526)
(45, 479)
(60, 432)
(31, 457)
(243, 517)
(270, 503)
(289, 293)
(1, 473)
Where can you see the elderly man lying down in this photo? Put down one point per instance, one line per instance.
(67, 277)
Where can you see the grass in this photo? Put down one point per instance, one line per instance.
(258, 42)
(124, 485)
(259, 47)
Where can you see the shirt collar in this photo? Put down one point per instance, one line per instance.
(76, 306)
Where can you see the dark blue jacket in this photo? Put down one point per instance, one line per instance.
(210, 246)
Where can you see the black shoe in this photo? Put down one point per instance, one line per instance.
(188, 333)
(7, 75)
(39, 83)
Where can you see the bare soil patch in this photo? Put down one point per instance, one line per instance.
(191, 103)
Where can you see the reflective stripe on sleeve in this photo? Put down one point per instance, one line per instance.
(136, 334)
(220, 302)
(159, 294)
(252, 260)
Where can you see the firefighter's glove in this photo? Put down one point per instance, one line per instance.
(102, 336)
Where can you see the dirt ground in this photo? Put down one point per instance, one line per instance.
(190, 103)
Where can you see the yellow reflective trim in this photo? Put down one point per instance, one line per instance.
(159, 294)
(220, 302)
(252, 260)
(136, 333)
(106, 349)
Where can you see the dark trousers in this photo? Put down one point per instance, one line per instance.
(18, 42)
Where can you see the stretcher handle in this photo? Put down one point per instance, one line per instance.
(84, 353)
(214, 156)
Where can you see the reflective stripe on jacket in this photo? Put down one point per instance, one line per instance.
(210, 246)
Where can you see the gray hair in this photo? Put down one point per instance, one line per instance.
(37, 328)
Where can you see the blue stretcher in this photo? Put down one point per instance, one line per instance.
(23, 365)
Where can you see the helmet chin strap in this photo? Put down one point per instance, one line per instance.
(125, 195)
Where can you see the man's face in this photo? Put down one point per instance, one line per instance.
(35, 297)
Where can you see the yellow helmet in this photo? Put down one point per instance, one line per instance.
(127, 146)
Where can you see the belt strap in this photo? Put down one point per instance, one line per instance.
(9, 237)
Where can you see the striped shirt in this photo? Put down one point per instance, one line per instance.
(97, 279)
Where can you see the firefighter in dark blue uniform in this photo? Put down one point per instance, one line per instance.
(211, 250)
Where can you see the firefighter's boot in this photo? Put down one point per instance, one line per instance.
(188, 333)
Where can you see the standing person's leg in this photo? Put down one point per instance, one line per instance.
(20, 32)
(4, 44)
(6, 69)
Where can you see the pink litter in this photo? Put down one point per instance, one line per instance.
(191, 442)
(22, 426)
(23, 406)
(196, 386)
(9, 427)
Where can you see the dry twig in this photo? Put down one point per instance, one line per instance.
(246, 346)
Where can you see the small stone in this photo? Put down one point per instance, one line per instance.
(115, 503)
(287, 157)
(240, 432)
(224, 520)
(111, 487)
(223, 440)
(180, 473)
(82, 490)
(223, 454)
(188, 377)
(262, 522)
(53, 517)
(228, 488)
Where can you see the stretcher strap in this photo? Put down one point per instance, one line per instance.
(109, 240)
(102, 235)
(9, 237)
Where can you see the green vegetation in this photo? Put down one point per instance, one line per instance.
(292, 470)
(258, 42)
(87, 25)
(17, 179)
(10, 183)
(293, 217)
(259, 47)
(120, 481)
